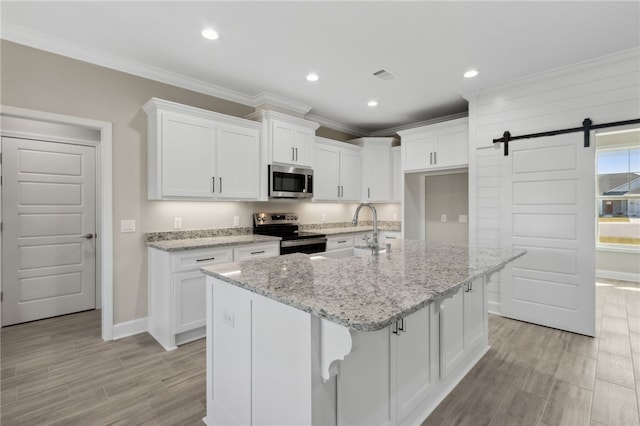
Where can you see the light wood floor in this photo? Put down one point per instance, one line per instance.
(60, 372)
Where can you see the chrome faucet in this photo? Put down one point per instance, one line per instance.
(373, 244)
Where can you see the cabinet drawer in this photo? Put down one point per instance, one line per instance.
(194, 259)
(255, 251)
(335, 243)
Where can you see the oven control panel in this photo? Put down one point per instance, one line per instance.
(275, 218)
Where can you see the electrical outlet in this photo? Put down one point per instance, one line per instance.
(228, 318)
(395, 216)
(462, 218)
(177, 223)
(323, 218)
(443, 218)
(236, 221)
(128, 225)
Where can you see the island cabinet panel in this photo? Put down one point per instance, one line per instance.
(415, 360)
(463, 326)
(259, 354)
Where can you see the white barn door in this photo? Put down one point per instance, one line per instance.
(49, 225)
(548, 208)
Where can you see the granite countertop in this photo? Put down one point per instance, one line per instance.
(209, 242)
(366, 292)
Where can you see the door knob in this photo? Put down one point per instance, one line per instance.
(88, 236)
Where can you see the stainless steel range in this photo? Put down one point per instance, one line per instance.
(285, 226)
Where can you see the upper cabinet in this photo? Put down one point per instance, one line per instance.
(199, 154)
(438, 146)
(376, 169)
(289, 140)
(337, 171)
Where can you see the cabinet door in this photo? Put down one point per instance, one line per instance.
(451, 332)
(326, 173)
(452, 149)
(282, 142)
(237, 162)
(190, 303)
(414, 361)
(350, 175)
(187, 156)
(396, 175)
(418, 153)
(377, 172)
(474, 315)
(303, 144)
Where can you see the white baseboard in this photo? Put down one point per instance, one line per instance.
(494, 308)
(615, 275)
(129, 328)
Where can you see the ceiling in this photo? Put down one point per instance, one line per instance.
(266, 49)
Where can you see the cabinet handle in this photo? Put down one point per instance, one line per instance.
(296, 154)
(341, 191)
(293, 154)
(402, 326)
(431, 158)
(395, 328)
(220, 186)
(338, 191)
(213, 181)
(205, 260)
(368, 192)
(341, 241)
(435, 158)
(257, 252)
(440, 338)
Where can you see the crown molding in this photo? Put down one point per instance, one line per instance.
(394, 130)
(281, 102)
(337, 126)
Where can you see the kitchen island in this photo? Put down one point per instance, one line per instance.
(363, 339)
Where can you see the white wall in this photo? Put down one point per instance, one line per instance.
(605, 90)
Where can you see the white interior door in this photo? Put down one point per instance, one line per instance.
(548, 209)
(49, 225)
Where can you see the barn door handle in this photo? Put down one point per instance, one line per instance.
(88, 236)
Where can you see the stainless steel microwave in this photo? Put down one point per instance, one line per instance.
(290, 182)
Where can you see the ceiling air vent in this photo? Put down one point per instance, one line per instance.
(383, 75)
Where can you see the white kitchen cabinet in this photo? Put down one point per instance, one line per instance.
(337, 171)
(414, 360)
(438, 146)
(462, 325)
(255, 251)
(177, 304)
(397, 175)
(376, 169)
(288, 140)
(199, 154)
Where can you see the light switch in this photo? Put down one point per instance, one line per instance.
(236, 221)
(177, 223)
(462, 218)
(128, 225)
(443, 218)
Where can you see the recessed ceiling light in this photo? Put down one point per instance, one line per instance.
(372, 103)
(470, 74)
(312, 77)
(210, 34)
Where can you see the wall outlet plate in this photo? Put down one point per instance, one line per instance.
(443, 218)
(177, 223)
(462, 218)
(236, 221)
(323, 219)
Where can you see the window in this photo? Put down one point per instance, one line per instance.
(618, 189)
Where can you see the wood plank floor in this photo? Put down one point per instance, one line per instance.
(60, 372)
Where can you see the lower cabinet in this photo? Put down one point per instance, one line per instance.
(463, 326)
(177, 304)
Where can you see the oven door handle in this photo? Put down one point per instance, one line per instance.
(302, 242)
